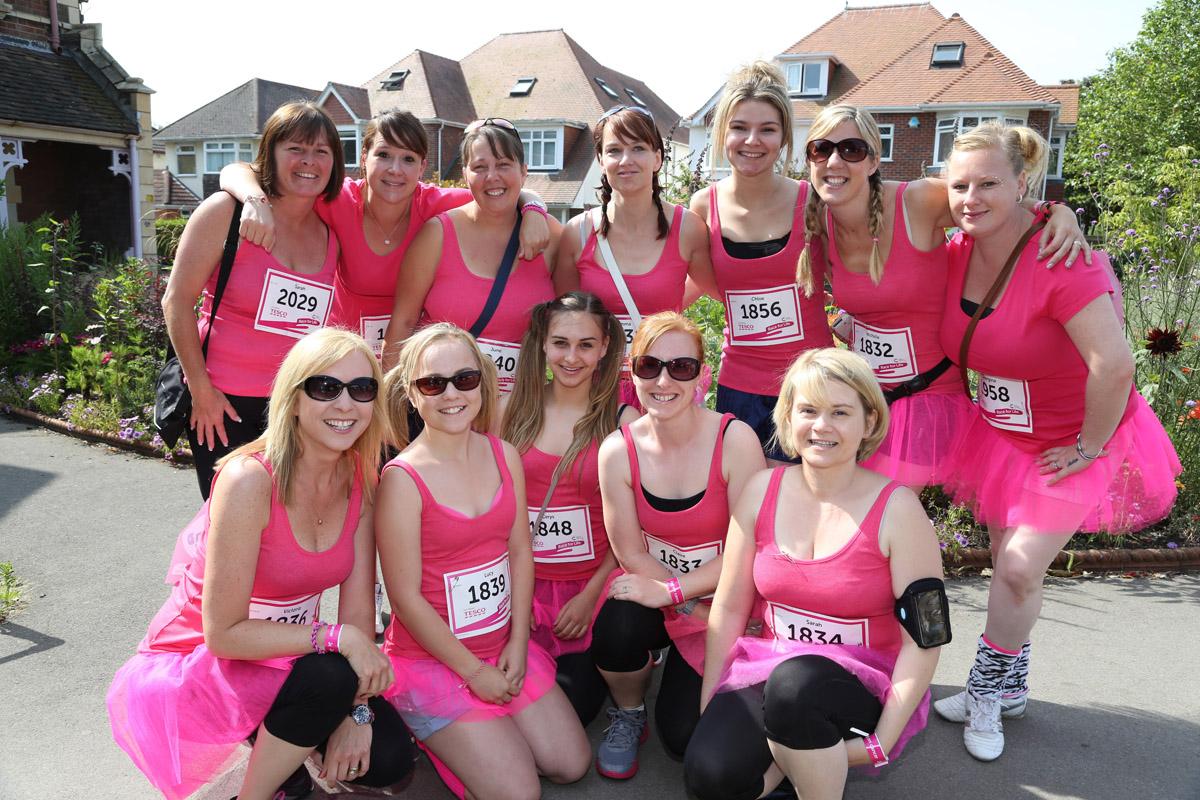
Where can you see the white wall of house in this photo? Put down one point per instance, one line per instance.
(190, 160)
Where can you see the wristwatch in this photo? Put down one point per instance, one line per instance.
(362, 714)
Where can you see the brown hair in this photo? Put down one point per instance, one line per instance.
(760, 81)
(397, 128)
(631, 125)
(503, 142)
(810, 374)
(299, 121)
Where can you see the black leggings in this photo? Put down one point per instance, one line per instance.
(253, 411)
(807, 703)
(582, 683)
(317, 696)
(622, 638)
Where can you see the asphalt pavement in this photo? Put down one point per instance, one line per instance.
(1114, 711)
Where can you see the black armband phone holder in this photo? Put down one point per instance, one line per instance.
(924, 612)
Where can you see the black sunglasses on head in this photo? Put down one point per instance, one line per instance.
(325, 388)
(433, 385)
(681, 369)
(852, 150)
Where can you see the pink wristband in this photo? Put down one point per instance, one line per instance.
(333, 635)
(536, 208)
(675, 590)
(316, 632)
(875, 751)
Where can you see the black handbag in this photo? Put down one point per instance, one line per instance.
(172, 400)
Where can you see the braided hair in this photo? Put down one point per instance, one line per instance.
(631, 125)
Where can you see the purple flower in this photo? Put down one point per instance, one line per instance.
(1190, 403)
(940, 544)
(1131, 232)
(961, 539)
(1173, 545)
(1079, 211)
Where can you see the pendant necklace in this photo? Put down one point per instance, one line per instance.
(387, 237)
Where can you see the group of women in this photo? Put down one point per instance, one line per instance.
(558, 512)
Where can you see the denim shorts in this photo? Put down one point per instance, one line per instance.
(755, 410)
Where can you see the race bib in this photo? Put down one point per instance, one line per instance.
(372, 329)
(477, 598)
(565, 535)
(796, 625)
(626, 325)
(1004, 403)
(681, 560)
(297, 610)
(764, 316)
(292, 305)
(504, 356)
(889, 351)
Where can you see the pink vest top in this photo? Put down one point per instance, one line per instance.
(684, 540)
(844, 598)
(465, 572)
(265, 309)
(571, 541)
(366, 281)
(897, 322)
(768, 320)
(288, 580)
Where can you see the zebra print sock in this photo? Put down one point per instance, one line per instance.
(1016, 684)
(992, 665)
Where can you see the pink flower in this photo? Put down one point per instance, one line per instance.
(107, 357)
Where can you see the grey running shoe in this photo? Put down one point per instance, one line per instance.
(617, 756)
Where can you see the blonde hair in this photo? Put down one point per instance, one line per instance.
(526, 412)
(825, 122)
(1024, 147)
(810, 375)
(280, 443)
(398, 385)
(653, 328)
(760, 81)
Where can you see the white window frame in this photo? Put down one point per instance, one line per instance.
(522, 87)
(608, 90)
(1058, 144)
(796, 72)
(633, 96)
(954, 61)
(887, 135)
(536, 161)
(189, 150)
(961, 121)
(241, 151)
(345, 134)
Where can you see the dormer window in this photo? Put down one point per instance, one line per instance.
(947, 54)
(808, 78)
(395, 81)
(633, 96)
(608, 90)
(522, 87)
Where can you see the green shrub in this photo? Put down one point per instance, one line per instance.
(167, 232)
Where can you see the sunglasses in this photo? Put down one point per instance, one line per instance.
(498, 122)
(433, 385)
(645, 112)
(852, 150)
(681, 369)
(325, 389)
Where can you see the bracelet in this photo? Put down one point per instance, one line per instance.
(333, 638)
(675, 590)
(1083, 455)
(875, 751)
(1042, 208)
(316, 629)
(538, 207)
(467, 680)
(258, 198)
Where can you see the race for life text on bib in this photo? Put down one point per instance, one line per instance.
(372, 329)
(478, 598)
(761, 317)
(798, 625)
(292, 305)
(1004, 403)
(889, 351)
(504, 356)
(295, 610)
(564, 536)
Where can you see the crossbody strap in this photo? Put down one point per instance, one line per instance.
(506, 265)
(614, 272)
(232, 240)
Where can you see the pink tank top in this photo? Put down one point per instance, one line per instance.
(897, 323)
(684, 540)
(660, 289)
(571, 541)
(365, 282)
(288, 580)
(465, 572)
(458, 295)
(845, 598)
(768, 320)
(265, 310)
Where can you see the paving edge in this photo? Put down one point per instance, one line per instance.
(1161, 559)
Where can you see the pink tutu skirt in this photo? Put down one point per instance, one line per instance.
(1130, 488)
(755, 657)
(182, 717)
(923, 433)
(548, 599)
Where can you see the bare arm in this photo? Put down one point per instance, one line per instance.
(258, 223)
(566, 270)
(620, 512)
(694, 244)
(417, 272)
(535, 227)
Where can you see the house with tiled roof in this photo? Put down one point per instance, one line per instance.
(75, 135)
(924, 77)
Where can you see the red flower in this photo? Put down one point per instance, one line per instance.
(1163, 342)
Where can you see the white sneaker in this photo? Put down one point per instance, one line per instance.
(954, 707)
(983, 734)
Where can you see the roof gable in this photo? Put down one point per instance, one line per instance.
(242, 111)
(433, 88)
(1067, 94)
(354, 99)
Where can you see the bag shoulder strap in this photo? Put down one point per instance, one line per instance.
(990, 298)
(506, 265)
(232, 241)
(614, 271)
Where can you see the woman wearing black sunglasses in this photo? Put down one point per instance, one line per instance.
(886, 249)
(231, 654)
(668, 481)
(457, 561)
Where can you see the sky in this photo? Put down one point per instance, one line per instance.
(192, 53)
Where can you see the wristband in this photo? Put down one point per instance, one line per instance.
(535, 206)
(675, 590)
(875, 751)
(1042, 208)
(316, 629)
(333, 637)
(258, 198)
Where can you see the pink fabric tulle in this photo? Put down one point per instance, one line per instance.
(182, 717)
(754, 658)
(548, 599)
(1130, 488)
(923, 432)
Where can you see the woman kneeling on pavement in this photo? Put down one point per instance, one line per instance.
(845, 569)
(239, 649)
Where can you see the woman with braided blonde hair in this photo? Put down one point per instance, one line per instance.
(886, 261)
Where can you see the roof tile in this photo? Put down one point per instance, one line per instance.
(242, 111)
(43, 87)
